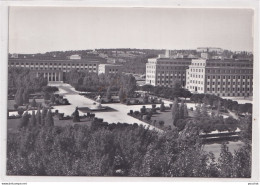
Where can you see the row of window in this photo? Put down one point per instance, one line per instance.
(48, 64)
(196, 76)
(225, 71)
(196, 70)
(228, 89)
(229, 64)
(230, 77)
(219, 89)
(176, 67)
(228, 83)
(61, 68)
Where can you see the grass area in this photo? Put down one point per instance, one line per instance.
(166, 116)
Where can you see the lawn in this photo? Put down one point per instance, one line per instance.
(166, 116)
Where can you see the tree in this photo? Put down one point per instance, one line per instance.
(176, 89)
(108, 94)
(75, 114)
(25, 96)
(186, 93)
(204, 111)
(198, 111)
(162, 107)
(46, 96)
(121, 95)
(33, 103)
(52, 98)
(205, 100)
(43, 115)
(130, 85)
(15, 106)
(186, 112)
(33, 119)
(175, 111)
(49, 119)
(218, 109)
(24, 120)
(20, 111)
(38, 116)
(19, 97)
(161, 123)
(181, 111)
(242, 161)
(145, 99)
(225, 162)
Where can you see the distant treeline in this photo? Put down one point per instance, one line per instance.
(92, 82)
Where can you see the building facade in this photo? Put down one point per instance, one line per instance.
(164, 71)
(54, 70)
(227, 77)
(109, 69)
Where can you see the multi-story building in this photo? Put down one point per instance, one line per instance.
(209, 49)
(109, 69)
(164, 71)
(54, 70)
(227, 77)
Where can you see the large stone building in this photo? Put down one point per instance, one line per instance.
(109, 68)
(54, 70)
(164, 71)
(227, 77)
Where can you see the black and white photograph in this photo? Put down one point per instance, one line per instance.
(130, 92)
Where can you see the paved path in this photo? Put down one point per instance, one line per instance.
(120, 115)
(233, 114)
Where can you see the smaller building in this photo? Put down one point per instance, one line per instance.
(109, 69)
(75, 57)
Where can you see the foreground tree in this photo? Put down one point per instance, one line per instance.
(24, 121)
(225, 162)
(38, 116)
(33, 119)
(49, 119)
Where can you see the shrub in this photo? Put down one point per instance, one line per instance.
(15, 106)
(148, 117)
(191, 108)
(180, 124)
(131, 112)
(161, 123)
(61, 116)
(143, 109)
(162, 107)
(20, 111)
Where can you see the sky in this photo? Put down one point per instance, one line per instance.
(43, 29)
